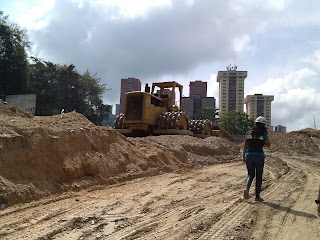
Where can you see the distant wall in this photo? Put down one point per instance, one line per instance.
(26, 102)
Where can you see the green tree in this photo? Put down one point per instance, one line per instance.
(236, 122)
(62, 87)
(14, 44)
(57, 86)
(206, 113)
(91, 92)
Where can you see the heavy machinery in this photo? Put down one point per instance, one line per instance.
(155, 113)
(152, 113)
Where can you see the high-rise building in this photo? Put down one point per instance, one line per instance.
(128, 85)
(280, 128)
(117, 109)
(259, 105)
(231, 89)
(197, 98)
(192, 104)
(198, 88)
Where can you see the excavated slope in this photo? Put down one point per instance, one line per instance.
(40, 156)
(305, 141)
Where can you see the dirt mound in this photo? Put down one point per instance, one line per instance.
(40, 156)
(305, 141)
(10, 110)
(190, 151)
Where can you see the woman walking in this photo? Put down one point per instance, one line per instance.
(253, 155)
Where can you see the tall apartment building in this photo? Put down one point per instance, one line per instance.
(198, 88)
(231, 89)
(192, 104)
(197, 98)
(280, 128)
(117, 109)
(259, 105)
(128, 85)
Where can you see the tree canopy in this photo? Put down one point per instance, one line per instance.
(236, 122)
(57, 86)
(206, 113)
(61, 87)
(14, 44)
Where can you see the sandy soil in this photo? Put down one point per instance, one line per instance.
(61, 177)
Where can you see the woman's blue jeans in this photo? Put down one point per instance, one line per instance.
(255, 164)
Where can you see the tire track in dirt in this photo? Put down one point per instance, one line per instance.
(162, 224)
(145, 222)
(19, 212)
(149, 220)
(163, 229)
(54, 218)
(296, 216)
(43, 222)
(234, 216)
(288, 209)
(107, 222)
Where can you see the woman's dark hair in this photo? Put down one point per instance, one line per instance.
(258, 130)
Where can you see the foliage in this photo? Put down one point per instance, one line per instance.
(63, 88)
(13, 57)
(206, 113)
(57, 87)
(236, 122)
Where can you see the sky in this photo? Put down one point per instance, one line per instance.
(276, 41)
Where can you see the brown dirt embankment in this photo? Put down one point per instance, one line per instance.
(305, 141)
(40, 156)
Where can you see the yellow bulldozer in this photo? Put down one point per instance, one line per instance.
(155, 113)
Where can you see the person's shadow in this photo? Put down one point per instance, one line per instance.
(289, 210)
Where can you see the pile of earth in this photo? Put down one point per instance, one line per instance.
(305, 141)
(40, 156)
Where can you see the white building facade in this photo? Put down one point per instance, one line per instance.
(231, 89)
(259, 105)
(280, 128)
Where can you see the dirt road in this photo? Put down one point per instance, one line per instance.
(196, 204)
(61, 177)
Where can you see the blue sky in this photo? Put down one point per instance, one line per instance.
(276, 41)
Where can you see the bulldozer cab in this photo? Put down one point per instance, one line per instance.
(167, 94)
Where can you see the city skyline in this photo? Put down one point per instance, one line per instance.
(276, 41)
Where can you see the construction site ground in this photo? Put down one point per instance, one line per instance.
(61, 177)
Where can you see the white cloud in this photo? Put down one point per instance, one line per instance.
(277, 4)
(241, 43)
(125, 8)
(31, 14)
(296, 98)
(314, 59)
(303, 78)
(186, 40)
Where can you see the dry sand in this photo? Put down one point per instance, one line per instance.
(61, 177)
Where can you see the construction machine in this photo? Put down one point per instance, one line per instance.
(153, 113)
